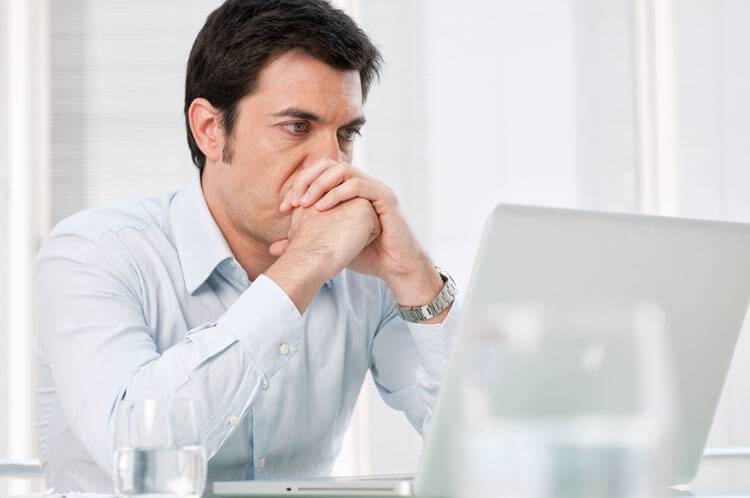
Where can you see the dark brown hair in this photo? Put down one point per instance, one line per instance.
(242, 36)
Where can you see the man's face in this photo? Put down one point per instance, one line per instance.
(301, 111)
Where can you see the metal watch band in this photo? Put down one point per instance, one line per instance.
(436, 306)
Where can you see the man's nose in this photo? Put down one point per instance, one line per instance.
(327, 147)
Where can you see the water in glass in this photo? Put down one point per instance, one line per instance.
(158, 449)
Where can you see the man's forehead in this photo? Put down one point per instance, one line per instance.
(298, 76)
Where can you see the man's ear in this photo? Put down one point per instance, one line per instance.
(207, 128)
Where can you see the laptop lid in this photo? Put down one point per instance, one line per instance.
(696, 270)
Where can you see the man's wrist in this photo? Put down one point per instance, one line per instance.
(418, 287)
(299, 275)
(428, 311)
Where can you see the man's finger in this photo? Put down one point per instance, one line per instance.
(307, 174)
(328, 180)
(278, 247)
(353, 187)
(375, 233)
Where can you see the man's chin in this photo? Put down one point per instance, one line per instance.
(275, 229)
(280, 229)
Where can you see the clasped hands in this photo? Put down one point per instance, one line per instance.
(343, 218)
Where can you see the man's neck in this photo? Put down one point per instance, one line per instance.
(250, 253)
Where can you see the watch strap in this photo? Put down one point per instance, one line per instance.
(445, 298)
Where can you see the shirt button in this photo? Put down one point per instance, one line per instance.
(234, 420)
(284, 348)
(261, 462)
(265, 386)
(233, 263)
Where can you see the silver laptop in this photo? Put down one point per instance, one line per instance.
(697, 270)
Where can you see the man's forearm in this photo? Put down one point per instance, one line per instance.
(418, 287)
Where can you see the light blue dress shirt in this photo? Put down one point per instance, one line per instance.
(144, 299)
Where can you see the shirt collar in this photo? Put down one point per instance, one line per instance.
(200, 244)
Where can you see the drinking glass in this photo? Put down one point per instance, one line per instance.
(158, 449)
(565, 398)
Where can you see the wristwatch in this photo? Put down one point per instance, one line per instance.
(436, 306)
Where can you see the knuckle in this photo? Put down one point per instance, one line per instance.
(375, 222)
(361, 203)
(319, 163)
(390, 195)
(325, 165)
(315, 185)
(356, 183)
(295, 186)
(331, 197)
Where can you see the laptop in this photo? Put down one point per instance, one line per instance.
(696, 270)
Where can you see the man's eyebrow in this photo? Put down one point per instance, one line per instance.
(360, 121)
(293, 112)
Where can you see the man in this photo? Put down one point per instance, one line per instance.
(265, 288)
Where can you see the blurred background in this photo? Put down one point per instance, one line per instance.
(624, 105)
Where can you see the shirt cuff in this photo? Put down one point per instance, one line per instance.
(267, 323)
(434, 341)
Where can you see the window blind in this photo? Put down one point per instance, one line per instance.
(117, 85)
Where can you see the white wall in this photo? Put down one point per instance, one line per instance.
(4, 401)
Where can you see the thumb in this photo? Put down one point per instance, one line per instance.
(376, 230)
(278, 247)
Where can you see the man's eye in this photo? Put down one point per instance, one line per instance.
(350, 134)
(298, 128)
